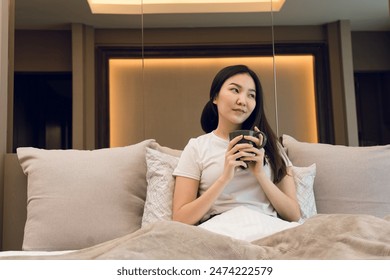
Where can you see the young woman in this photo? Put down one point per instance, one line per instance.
(209, 180)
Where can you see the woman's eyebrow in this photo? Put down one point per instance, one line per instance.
(237, 85)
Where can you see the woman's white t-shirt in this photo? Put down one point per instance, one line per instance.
(203, 159)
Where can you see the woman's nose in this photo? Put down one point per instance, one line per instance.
(241, 100)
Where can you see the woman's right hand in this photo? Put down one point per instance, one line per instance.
(233, 153)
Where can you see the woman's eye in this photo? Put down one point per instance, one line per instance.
(235, 90)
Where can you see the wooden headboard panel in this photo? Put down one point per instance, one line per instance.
(15, 203)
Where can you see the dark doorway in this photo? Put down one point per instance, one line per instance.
(373, 107)
(42, 110)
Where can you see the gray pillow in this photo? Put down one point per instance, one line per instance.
(353, 180)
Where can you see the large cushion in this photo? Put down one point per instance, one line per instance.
(80, 198)
(352, 180)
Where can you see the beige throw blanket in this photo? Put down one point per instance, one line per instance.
(320, 237)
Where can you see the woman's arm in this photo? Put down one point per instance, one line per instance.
(282, 196)
(187, 207)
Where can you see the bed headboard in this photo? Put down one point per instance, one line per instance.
(15, 199)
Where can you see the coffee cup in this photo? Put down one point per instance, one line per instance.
(253, 133)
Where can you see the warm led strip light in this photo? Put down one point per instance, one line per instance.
(182, 6)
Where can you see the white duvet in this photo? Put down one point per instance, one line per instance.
(246, 224)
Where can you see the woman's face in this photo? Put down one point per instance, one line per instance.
(236, 100)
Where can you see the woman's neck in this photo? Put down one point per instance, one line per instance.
(223, 132)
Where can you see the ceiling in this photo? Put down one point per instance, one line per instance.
(364, 15)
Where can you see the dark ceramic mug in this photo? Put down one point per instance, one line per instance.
(253, 133)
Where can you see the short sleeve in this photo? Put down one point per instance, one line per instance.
(189, 164)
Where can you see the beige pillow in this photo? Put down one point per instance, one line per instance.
(166, 150)
(352, 180)
(77, 199)
(158, 204)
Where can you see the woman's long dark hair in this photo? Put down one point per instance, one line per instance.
(209, 118)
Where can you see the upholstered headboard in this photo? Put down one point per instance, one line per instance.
(15, 198)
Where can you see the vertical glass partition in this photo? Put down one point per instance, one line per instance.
(182, 52)
(119, 117)
(125, 86)
(301, 80)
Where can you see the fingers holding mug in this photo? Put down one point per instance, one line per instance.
(258, 138)
(262, 137)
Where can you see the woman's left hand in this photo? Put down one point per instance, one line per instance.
(256, 160)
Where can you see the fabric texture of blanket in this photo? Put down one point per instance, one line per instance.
(333, 236)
